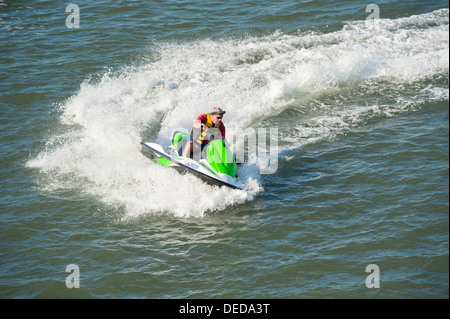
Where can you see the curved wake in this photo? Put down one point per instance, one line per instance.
(328, 83)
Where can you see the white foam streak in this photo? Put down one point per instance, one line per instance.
(252, 79)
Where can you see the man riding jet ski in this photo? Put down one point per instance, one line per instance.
(204, 152)
(201, 124)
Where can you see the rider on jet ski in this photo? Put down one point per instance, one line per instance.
(199, 136)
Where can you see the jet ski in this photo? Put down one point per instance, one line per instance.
(215, 164)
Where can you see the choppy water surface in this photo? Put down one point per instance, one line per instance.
(360, 108)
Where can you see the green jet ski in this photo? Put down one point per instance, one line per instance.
(215, 163)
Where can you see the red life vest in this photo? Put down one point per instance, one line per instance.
(209, 124)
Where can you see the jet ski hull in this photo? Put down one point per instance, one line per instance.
(199, 169)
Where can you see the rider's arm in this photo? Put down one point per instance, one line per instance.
(197, 123)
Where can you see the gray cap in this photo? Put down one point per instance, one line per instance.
(217, 111)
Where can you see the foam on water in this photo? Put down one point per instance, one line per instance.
(96, 149)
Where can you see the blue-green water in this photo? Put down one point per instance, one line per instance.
(360, 108)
